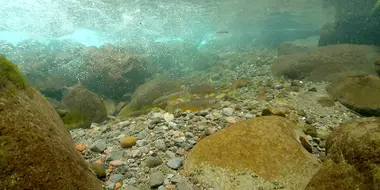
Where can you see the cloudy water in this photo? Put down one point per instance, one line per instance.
(189, 94)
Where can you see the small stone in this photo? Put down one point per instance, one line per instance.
(266, 112)
(128, 142)
(156, 179)
(209, 117)
(143, 149)
(175, 163)
(208, 131)
(310, 130)
(168, 117)
(109, 185)
(131, 187)
(184, 185)
(313, 89)
(116, 178)
(248, 116)
(228, 111)
(99, 170)
(141, 135)
(152, 162)
(231, 120)
(123, 124)
(189, 135)
(309, 120)
(306, 144)
(201, 127)
(122, 169)
(136, 153)
(160, 144)
(99, 146)
(161, 187)
(170, 154)
(297, 83)
(279, 111)
(117, 162)
(115, 155)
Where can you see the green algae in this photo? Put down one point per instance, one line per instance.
(10, 72)
(74, 120)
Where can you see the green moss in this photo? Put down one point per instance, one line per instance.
(74, 120)
(10, 72)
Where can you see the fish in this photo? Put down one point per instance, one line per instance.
(222, 32)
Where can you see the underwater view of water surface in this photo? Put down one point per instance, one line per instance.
(189, 94)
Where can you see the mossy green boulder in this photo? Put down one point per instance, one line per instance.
(352, 157)
(85, 107)
(146, 94)
(358, 92)
(36, 151)
(265, 146)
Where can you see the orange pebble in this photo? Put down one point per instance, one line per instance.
(117, 185)
(99, 162)
(80, 147)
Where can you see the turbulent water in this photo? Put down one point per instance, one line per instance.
(189, 94)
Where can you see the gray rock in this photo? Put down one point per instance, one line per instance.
(98, 146)
(152, 162)
(122, 169)
(161, 187)
(189, 134)
(116, 178)
(160, 144)
(141, 135)
(143, 149)
(109, 185)
(115, 155)
(175, 163)
(184, 185)
(131, 187)
(156, 179)
(228, 111)
(170, 154)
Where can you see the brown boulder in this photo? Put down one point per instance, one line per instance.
(353, 154)
(85, 107)
(358, 92)
(36, 151)
(265, 146)
(326, 63)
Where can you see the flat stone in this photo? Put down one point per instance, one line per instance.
(116, 178)
(156, 179)
(228, 111)
(152, 162)
(175, 163)
(99, 146)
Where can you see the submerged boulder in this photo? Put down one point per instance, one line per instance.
(146, 94)
(353, 156)
(85, 107)
(358, 92)
(36, 151)
(326, 63)
(265, 146)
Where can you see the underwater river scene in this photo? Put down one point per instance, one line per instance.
(189, 94)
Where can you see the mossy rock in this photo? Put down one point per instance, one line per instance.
(358, 92)
(266, 146)
(353, 154)
(9, 72)
(36, 151)
(85, 107)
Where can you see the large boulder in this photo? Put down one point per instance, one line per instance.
(147, 93)
(85, 107)
(327, 63)
(358, 92)
(265, 146)
(36, 151)
(353, 156)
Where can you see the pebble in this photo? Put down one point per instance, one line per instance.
(127, 142)
(231, 120)
(123, 124)
(115, 155)
(175, 163)
(152, 162)
(168, 117)
(131, 187)
(117, 163)
(170, 154)
(184, 185)
(116, 178)
(228, 111)
(160, 144)
(99, 146)
(109, 185)
(156, 179)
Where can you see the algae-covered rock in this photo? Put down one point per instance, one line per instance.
(265, 146)
(36, 151)
(358, 92)
(146, 94)
(110, 106)
(85, 107)
(326, 63)
(353, 156)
